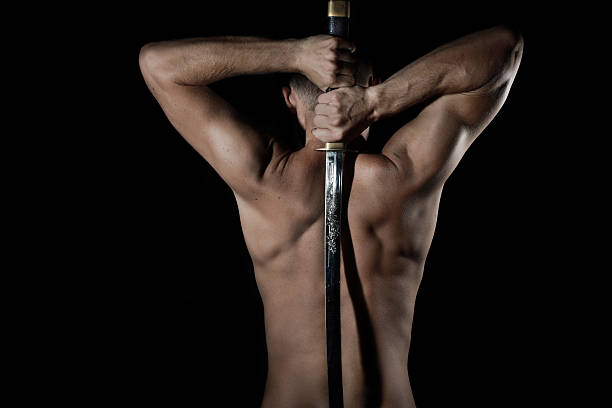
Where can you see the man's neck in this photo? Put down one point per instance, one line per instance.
(312, 143)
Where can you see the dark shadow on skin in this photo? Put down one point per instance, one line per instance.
(367, 341)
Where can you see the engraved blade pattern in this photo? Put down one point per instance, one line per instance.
(333, 200)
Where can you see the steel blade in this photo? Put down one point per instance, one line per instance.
(333, 222)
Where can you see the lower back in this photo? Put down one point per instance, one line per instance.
(376, 319)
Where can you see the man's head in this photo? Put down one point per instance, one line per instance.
(306, 91)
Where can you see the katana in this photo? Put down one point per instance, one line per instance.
(338, 15)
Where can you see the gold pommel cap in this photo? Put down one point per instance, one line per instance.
(337, 8)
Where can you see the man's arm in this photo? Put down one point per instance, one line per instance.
(466, 82)
(178, 72)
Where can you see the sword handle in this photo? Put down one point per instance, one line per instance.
(338, 16)
(338, 25)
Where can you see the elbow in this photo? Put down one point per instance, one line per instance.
(512, 39)
(511, 42)
(148, 59)
(516, 50)
(154, 63)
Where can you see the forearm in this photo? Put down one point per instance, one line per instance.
(473, 62)
(201, 61)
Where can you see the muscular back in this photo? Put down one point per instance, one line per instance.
(388, 227)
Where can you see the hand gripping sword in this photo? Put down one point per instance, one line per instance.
(338, 13)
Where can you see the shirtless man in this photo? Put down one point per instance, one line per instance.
(391, 196)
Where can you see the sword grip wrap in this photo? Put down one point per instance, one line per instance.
(338, 26)
(338, 20)
(338, 16)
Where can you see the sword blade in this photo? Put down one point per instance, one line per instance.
(333, 222)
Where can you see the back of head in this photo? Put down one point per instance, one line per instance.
(305, 89)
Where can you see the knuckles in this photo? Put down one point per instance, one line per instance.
(327, 121)
(331, 120)
(319, 121)
(334, 99)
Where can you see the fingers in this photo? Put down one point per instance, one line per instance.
(325, 98)
(332, 98)
(343, 76)
(324, 109)
(344, 68)
(346, 56)
(342, 62)
(323, 134)
(326, 122)
(321, 121)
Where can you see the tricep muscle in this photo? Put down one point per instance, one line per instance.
(429, 147)
(236, 151)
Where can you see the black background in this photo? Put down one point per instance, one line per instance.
(166, 295)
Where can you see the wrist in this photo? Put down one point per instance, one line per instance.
(373, 99)
(293, 51)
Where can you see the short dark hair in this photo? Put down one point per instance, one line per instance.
(306, 90)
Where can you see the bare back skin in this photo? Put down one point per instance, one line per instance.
(390, 199)
(388, 230)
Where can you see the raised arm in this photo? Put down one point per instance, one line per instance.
(178, 72)
(464, 83)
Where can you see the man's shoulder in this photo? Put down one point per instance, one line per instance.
(375, 170)
(386, 178)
